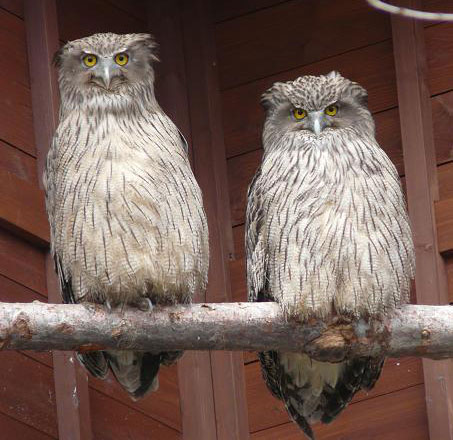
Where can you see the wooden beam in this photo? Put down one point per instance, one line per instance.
(422, 191)
(194, 369)
(412, 330)
(210, 171)
(71, 383)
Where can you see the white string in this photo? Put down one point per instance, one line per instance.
(413, 13)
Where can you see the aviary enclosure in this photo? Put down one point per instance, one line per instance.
(216, 60)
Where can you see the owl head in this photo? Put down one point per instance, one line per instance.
(316, 106)
(106, 67)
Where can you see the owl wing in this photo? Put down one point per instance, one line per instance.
(256, 256)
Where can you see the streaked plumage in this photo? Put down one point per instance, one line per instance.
(126, 214)
(327, 233)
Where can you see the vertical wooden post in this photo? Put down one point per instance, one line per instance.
(211, 385)
(210, 170)
(71, 382)
(422, 191)
(194, 369)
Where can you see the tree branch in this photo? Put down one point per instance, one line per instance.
(425, 331)
(411, 13)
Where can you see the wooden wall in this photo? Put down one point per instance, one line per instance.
(27, 396)
(262, 41)
(257, 42)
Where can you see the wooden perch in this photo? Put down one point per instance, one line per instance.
(425, 331)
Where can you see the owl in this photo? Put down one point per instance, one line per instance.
(126, 215)
(327, 234)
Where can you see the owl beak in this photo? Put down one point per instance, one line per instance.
(317, 122)
(106, 77)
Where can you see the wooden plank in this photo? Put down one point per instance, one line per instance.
(22, 262)
(15, 161)
(444, 221)
(13, 429)
(113, 420)
(445, 179)
(22, 209)
(422, 190)
(71, 382)
(16, 126)
(449, 270)
(162, 405)
(27, 392)
(439, 50)
(292, 34)
(210, 170)
(74, 22)
(372, 67)
(395, 416)
(16, 7)
(228, 9)
(442, 109)
(397, 374)
(135, 8)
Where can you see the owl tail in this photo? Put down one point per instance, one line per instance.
(317, 391)
(135, 371)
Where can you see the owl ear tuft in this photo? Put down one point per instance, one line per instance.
(271, 96)
(148, 42)
(57, 59)
(359, 94)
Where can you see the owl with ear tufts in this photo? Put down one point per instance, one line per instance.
(327, 234)
(127, 221)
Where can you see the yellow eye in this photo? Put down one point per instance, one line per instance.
(299, 113)
(121, 59)
(90, 60)
(331, 110)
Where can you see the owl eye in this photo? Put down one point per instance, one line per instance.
(331, 110)
(121, 59)
(299, 114)
(90, 60)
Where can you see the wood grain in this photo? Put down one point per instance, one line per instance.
(14, 6)
(22, 262)
(22, 209)
(112, 420)
(162, 405)
(16, 122)
(397, 374)
(27, 392)
(228, 9)
(445, 179)
(75, 22)
(294, 33)
(449, 267)
(18, 163)
(395, 416)
(444, 221)
(13, 429)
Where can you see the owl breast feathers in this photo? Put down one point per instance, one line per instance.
(126, 214)
(327, 233)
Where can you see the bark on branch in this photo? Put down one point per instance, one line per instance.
(410, 331)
